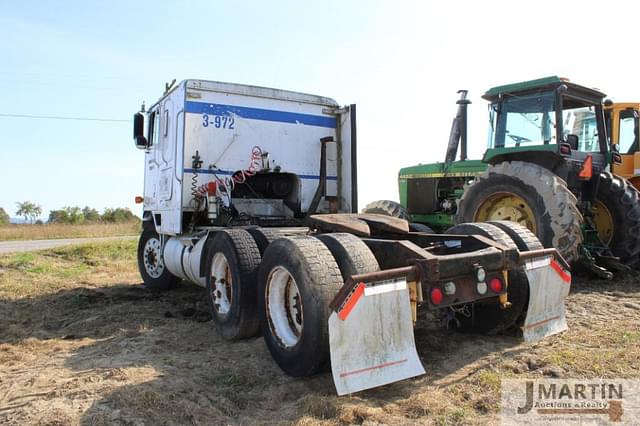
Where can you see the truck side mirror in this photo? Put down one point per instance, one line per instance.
(138, 131)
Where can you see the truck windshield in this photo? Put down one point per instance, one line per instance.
(523, 120)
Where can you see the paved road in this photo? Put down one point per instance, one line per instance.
(31, 245)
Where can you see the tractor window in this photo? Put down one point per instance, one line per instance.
(628, 138)
(524, 120)
(581, 121)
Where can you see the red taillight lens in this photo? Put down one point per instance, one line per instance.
(496, 285)
(139, 199)
(436, 296)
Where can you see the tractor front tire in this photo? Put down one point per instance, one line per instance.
(388, 208)
(528, 194)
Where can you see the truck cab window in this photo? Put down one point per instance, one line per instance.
(153, 129)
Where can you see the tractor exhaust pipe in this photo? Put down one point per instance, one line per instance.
(458, 135)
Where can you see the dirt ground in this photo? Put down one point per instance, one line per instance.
(82, 342)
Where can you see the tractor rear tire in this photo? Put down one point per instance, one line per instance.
(388, 208)
(351, 254)
(232, 266)
(546, 206)
(154, 273)
(297, 279)
(490, 318)
(622, 202)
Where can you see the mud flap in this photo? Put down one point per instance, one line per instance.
(371, 337)
(549, 285)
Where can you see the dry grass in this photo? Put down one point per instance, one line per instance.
(81, 342)
(52, 231)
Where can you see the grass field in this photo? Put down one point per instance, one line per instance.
(82, 342)
(51, 231)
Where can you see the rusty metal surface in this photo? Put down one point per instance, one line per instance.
(340, 223)
(410, 273)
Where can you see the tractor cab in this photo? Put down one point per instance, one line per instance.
(557, 124)
(623, 128)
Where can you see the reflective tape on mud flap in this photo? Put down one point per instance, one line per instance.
(371, 338)
(549, 285)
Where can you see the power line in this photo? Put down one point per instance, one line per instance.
(53, 117)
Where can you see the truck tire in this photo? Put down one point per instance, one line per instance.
(420, 227)
(388, 208)
(232, 265)
(618, 216)
(297, 280)
(525, 239)
(530, 195)
(154, 273)
(264, 236)
(490, 318)
(351, 254)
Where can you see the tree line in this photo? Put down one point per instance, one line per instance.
(30, 211)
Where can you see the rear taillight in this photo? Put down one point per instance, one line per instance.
(436, 296)
(496, 285)
(481, 288)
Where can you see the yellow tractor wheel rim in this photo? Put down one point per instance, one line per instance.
(603, 221)
(506, 206)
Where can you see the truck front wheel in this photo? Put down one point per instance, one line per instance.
(154, 273)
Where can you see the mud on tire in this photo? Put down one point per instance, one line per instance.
(232, 265)
(297, 280)
(557, 218)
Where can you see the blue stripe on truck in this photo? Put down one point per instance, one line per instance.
(260, 114)
(228, 173)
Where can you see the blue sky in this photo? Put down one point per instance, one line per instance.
(401, 62)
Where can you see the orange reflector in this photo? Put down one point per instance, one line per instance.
(139, 199)
(587, 169)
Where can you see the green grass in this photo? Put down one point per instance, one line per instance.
(23, 274)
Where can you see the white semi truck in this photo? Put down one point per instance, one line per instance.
(251, 193)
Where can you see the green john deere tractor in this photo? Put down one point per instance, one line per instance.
(545, 167)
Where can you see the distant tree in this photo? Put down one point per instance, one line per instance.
(75, 215)
(29, 210)
(58, 216)
(70, 215)
(118, 215)
(4, 217)
(90, 215)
